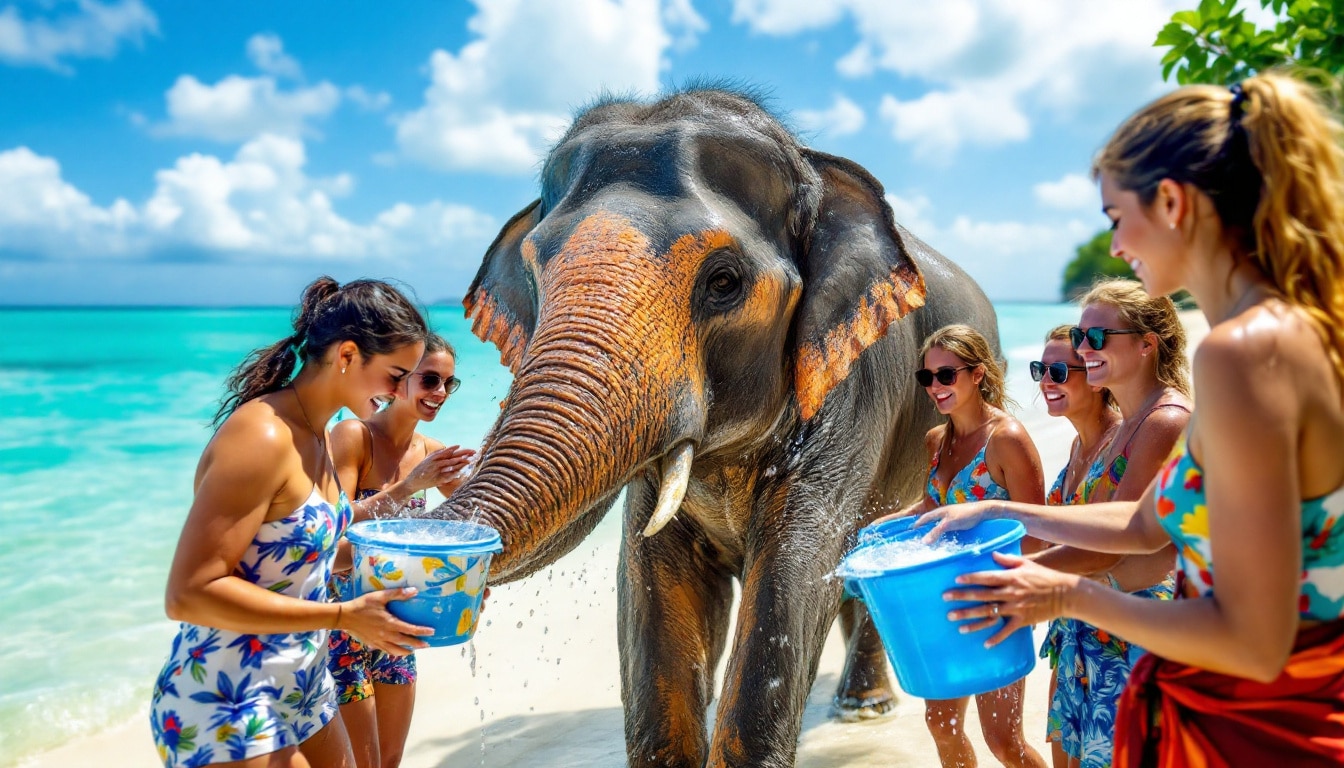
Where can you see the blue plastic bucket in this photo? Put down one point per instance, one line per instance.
(932, 658)
(446, 560)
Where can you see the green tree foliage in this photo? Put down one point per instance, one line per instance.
(1214, 43)
(1092, 262)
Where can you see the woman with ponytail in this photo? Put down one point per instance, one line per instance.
(1236, 195)
(246, 682)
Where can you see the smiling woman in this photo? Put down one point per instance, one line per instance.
(245, 677)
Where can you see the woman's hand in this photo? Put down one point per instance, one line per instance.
(439, 468)
(1022, 595)
(367, 618)
(954, 517)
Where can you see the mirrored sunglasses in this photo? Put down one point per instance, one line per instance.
(1058, 372)
(1096, 337)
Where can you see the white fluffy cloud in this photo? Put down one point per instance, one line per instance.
(238, 108)
(986, 66)
(94, 30)
(1073, 191)
(267, 53)
(499, 101)
(1008, 258)
(843, 118)
(259, 205)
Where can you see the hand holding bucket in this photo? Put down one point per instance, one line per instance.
(1022, 594)
(932, 657)
(367, 617)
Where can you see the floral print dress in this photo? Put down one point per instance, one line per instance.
(225, 695)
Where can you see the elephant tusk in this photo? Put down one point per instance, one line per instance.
(676, 473)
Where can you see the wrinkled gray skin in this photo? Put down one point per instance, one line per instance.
(583, 290)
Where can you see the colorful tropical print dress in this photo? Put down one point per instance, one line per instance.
(224, 695)
(1091, 665)
(354, 666)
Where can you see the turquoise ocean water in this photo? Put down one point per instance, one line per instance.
(105, 413)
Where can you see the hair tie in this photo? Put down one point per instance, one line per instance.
(1238, 102)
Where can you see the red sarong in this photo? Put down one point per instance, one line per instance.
(1176, 716)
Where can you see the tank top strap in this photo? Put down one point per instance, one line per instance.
(1130, 440)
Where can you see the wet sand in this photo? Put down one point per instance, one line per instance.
(544, 689)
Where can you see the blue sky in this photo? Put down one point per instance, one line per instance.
(227, 153)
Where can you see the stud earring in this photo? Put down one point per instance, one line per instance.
(342, 370)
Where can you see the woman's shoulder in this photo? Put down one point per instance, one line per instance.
(255, 434)
(349, 438)
(1009, 434)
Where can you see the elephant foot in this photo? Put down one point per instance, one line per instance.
(858, 709)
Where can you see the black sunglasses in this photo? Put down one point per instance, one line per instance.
(1059, 372)
(431, 381)
(945, 375)
(1096, 337)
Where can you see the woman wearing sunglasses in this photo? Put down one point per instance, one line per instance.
(391, 466)
(1134, 346)
(1238, 196)
(1092, 412)
(981, 452)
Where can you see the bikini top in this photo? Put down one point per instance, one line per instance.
(1183, 512)
(418, 499)
(415, 503)
(971, 483)
(293, 555)
(1103, 479)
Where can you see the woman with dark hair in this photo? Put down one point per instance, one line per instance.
(390, 465)
(1236, 195)
(246, 682)
(981, 452)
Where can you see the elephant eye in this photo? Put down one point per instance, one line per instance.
(724, 285)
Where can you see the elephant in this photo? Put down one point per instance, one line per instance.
(723, 322)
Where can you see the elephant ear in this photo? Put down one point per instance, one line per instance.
(858, 278)
(500, 301)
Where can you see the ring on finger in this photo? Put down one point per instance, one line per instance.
(994, 609)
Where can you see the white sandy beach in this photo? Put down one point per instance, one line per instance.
(544, 688)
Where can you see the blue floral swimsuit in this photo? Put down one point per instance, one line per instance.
(224, 695)
(355, 667)
(1092, 665)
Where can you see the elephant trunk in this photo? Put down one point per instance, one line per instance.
(605, 387)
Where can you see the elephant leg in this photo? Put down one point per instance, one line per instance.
(674, 604)
(865, 690)
(788, 606)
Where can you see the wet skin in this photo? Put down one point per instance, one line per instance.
(694, 290)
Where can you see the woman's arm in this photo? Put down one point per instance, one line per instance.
(1012, 455)
(1123, 527)
(245, 468)
(1150, 448)
(1250, 416)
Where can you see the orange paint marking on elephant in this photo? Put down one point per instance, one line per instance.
(821, 367)
(489, 322)
(607, 252)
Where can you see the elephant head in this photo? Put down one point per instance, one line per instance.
(690, 277)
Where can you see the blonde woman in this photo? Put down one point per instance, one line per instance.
(1134, 345)
(1091, 410)
(1236, 195)
(981, 452)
